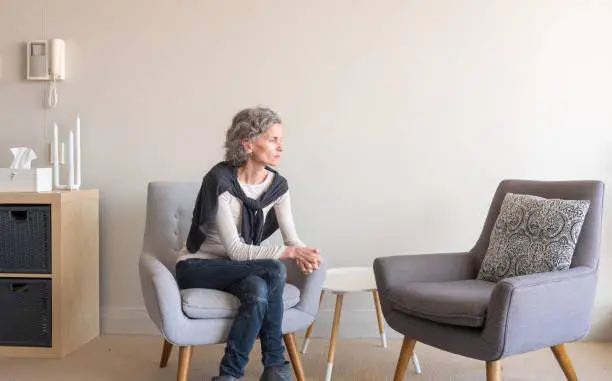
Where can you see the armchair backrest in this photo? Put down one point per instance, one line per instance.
(168, 218)
(589, 240)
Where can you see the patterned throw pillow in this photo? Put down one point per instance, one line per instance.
(532, 235)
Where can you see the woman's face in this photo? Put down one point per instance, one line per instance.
(267, 148)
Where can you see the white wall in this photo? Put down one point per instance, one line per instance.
(400, 116)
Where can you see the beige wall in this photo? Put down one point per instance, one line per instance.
(401, 116)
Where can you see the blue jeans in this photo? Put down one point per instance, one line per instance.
(259, 286)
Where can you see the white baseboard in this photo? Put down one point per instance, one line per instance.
(127, 321)
(354, 324)
(601, 325)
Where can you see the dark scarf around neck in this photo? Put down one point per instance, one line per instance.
(255, 227)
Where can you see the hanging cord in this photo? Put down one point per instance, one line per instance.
(52, 97)
(52, 89)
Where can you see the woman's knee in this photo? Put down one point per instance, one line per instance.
(275, 268)
(254, 288)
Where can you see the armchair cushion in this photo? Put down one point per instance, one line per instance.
(532, 235)
(200, 303)
(462, 303)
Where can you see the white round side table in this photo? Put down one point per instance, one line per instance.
(340, 281)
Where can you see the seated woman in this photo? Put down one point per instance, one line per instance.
(241, 202)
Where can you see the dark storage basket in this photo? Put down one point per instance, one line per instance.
(25, 238)
(25, 312)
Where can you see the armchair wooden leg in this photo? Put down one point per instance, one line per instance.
(184, 363)
(296, 360)
(494, 370)
(165, 354)
(404, 358)
(309, 330)
(564, 361)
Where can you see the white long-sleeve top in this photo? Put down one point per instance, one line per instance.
(223, 236)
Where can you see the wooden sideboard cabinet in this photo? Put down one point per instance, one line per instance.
(49, 272)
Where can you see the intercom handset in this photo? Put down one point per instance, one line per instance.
(46, 61)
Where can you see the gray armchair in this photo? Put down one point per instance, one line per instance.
(435, 298)
(187, 318)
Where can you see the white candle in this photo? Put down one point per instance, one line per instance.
(55, 148)
(55, 154)
(71, 160)
(78, 152)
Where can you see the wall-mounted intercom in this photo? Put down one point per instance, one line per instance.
(46, 61)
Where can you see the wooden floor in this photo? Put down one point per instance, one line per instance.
(136, 358)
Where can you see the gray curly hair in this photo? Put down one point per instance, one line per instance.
(247, 124)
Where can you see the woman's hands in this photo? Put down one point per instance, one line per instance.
(308, 259)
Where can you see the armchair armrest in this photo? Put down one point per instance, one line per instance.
(310, 285)
(540, 310)
(161, 295)
(401, 269)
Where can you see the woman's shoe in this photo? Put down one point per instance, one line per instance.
(277, 373)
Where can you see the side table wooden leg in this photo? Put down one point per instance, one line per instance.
(309, 330)
(381, 322)
(415, 361)
(334, 337)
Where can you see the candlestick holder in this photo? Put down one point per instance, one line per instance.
(74, 158)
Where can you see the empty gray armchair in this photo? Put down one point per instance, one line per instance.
(187, 318)
(440, 300)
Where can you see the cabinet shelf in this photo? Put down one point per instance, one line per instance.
(18, 275)
(65, 284)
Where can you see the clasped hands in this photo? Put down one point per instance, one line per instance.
(308, 259)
